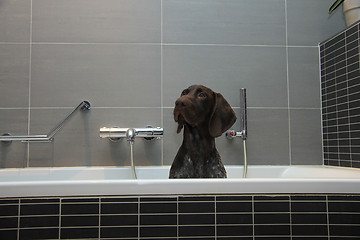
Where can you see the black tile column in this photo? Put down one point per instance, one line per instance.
(340, 90)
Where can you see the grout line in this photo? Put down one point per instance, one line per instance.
(99, 233)
(29, 91)
(139, 217)
(253, 216)
(18, 226)
(47, 108)
(215, 216)
(14, 43)
(161, 80)
(321, 110)
(327, 216)
(347, 103)
(177, 217)
(288, 82)
(290, 218)
(14, 108)
(159, 44)
(60, 204)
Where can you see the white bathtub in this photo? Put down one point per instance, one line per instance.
(88, 181)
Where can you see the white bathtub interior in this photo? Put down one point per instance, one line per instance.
(162, 172)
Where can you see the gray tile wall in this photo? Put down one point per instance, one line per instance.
(132, 58)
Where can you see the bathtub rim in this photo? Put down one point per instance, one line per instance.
(65, 188)
(179, 187)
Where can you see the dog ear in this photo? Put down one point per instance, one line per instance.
(222, 118)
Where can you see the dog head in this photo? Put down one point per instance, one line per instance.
(199, 105)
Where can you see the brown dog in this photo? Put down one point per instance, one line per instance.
(204, 115)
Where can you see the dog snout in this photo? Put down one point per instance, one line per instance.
(180, 103)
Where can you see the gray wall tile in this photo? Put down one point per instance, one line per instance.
(304, 86)
(262, 70)
(309, 23)
(14, 21)
(268, 137)
(96, 21)
(172, 140)
(254, 22)
(14, 75)
(106, 75)
(306, 146)
(14, 122)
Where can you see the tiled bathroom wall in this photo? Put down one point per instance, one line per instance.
(132, 58)
(340, 78)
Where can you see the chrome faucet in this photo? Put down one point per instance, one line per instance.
(230, 134)
(115, 134)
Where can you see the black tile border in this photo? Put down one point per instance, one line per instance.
(276, 216)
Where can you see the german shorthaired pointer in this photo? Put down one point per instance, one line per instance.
(204, 115)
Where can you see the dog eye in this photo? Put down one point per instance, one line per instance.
(202, 94)
(184, 92)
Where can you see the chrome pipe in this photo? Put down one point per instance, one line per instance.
(243, 113)
(25, 138)
(84, 105)
(149, 132)
(115, 132)
(132, 158)
(245, 160)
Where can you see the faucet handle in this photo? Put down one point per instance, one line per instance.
(150, 133)
(230, 134)
(130, 134)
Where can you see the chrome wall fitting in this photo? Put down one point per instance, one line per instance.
(83, 106)
(230, 134)
(146, 133)
(243, 116)
(6, 142)
(116, 134)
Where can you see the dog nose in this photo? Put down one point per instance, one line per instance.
(180, 103)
